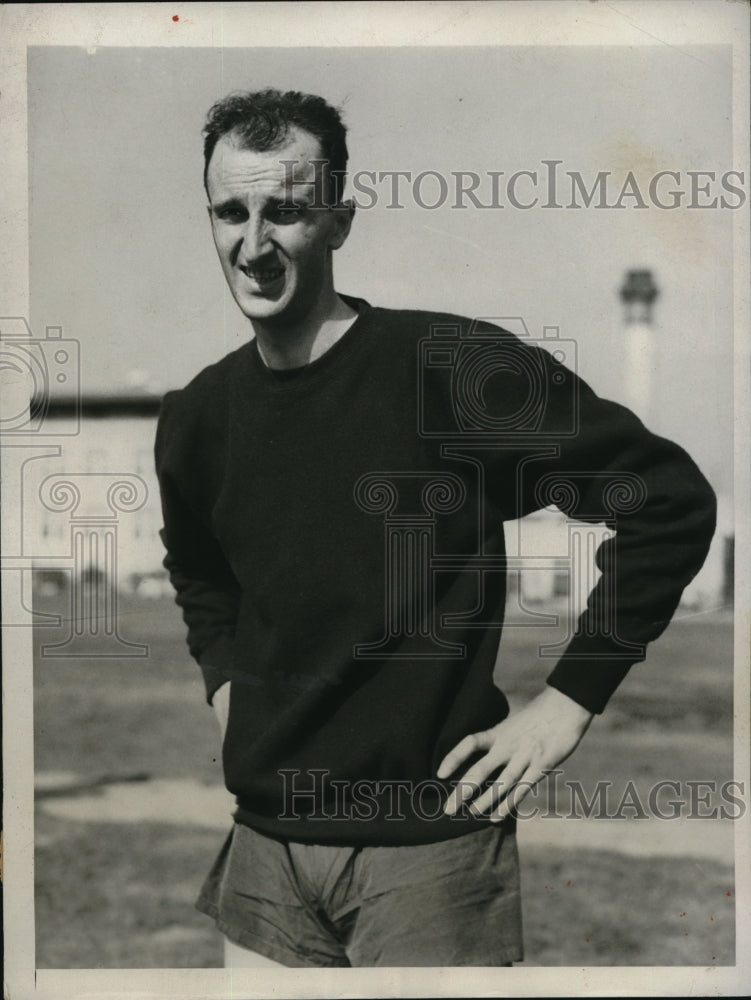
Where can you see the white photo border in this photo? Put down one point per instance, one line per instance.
(214, 25)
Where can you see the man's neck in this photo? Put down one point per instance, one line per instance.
(297, 345)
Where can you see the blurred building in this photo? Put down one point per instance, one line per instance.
(645, 388)
(91, 506)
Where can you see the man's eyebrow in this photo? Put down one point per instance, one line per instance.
(222, 206)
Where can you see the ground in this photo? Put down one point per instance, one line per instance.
(130, 811)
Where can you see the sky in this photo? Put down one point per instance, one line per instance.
(120, 247)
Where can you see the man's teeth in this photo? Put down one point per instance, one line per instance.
(263, 277)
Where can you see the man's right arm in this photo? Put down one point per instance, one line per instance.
(206, 589)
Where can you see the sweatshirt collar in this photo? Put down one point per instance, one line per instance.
(289, 377)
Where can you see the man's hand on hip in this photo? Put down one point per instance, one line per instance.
(524, 747)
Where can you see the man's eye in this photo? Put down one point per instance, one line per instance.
(231, 215)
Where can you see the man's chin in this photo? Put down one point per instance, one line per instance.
(259, 308)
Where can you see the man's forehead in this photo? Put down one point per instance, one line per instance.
(297, 160)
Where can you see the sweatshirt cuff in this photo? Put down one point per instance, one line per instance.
(215, 663)
(592, 668)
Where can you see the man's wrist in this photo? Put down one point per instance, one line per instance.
(563, 702)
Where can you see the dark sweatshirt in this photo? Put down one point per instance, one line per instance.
(334, 535)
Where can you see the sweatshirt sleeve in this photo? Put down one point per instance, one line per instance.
(598, 463)
(206, 589)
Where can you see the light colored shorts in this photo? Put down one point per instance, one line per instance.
(452, 903)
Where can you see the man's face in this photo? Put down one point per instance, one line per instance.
(274, 238)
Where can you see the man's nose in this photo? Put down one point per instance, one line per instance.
(256, 240)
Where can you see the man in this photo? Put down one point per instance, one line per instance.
(333, 497)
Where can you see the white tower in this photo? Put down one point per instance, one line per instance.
(638, 294)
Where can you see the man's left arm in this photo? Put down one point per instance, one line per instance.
(662, 510)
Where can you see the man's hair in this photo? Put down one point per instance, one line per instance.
(261, 121)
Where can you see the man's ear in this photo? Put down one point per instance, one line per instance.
(343, 215)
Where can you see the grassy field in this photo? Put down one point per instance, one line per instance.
(120, 895)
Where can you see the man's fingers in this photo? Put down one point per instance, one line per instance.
(468, 785)
(505, 781)
(464, 749)
(531, 777)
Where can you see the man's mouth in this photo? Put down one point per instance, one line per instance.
(263, 276)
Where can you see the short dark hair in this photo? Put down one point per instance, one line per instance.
(261, 120)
